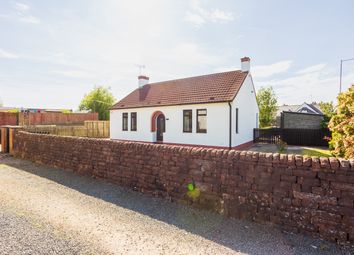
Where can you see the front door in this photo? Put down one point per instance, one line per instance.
(160, 127)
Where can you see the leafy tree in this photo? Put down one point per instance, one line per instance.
(100, 100)
(14, 110)
(328, 110)
(342, 125)
(267, 102)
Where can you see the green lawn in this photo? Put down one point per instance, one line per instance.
(316, 152)
(300, 150)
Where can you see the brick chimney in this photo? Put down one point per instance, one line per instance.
(143, 80)
(245, 64)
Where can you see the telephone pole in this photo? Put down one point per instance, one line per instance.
(341, 72)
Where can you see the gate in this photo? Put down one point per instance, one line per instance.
(268, 135)
(305, 137)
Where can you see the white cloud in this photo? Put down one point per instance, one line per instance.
(23, 13)
(72, 73)
(30, 19)
(226, 69)
(194, 18)
(269, 70)
(218, 15)
(6, 54)
(199, 15)
(311, 69)
(314, 83)
(188, 53)
(22, 7)
(4, 16)
(263, 71)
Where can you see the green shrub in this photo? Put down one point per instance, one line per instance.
(328, 111)
(342, 126)
(267, 103)
(282, 146)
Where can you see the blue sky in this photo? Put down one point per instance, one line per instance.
(53, 52)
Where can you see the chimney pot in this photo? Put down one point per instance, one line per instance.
(143, 80)
(245, 64)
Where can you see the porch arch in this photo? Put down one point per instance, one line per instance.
(153, 120)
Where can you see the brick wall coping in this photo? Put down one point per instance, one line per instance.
(316, 163)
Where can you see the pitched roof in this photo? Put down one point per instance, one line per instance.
(287, 108)
(315, 108)
(218, 87)
(303, 108)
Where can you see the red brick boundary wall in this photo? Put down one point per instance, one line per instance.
(8, 118)
(300, 194)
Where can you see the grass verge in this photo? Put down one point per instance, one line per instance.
(316, 152)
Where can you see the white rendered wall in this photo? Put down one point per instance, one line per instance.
(217, 125)
(217, 121)
(246, 103)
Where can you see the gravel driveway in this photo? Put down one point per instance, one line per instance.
(52, 211)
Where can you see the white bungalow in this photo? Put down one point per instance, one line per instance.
(215, 110)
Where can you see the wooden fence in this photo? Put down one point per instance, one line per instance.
(54, 118)
(98, 129)
(306, 137)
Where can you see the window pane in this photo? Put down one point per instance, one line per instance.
(133, 121)
(187, 121)
(125, 121)
(186, 124)
(202, 121)
(202, 112)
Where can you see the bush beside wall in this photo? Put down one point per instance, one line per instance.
(300, 194)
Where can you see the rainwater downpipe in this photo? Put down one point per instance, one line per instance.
(230, 124)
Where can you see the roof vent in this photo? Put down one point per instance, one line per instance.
(212, 98)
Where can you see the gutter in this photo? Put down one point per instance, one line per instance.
(230, 124)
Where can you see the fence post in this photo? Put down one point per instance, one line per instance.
(12, 133)
(4, 139)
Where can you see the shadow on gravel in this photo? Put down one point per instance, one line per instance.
(242, 236)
